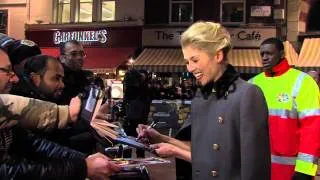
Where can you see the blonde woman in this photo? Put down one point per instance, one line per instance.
(229, 130)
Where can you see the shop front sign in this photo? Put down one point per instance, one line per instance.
(113, 37)
(99, 36)
(241, 37)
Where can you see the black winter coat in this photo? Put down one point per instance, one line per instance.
(30, 157)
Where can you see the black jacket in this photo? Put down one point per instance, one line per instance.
(30, 157)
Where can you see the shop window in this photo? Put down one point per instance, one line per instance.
(64, 7)
(108, 10)
(4, 21)
(85, 10)
(232, 12)
(156, 12)
(181, 11)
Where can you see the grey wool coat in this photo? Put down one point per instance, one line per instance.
(229, 133)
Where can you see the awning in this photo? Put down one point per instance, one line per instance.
(99, 60)
(249, 60)
(290, 53)
(245, 60)
(171, 60)
(309, 57)
(161, 60)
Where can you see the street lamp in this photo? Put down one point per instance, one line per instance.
(131, 61)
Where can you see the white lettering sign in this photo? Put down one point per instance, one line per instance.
(81, 36)
(260, 11)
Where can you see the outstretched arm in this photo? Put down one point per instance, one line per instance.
(36, 114)
(145, 132)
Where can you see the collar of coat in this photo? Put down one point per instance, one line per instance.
(279, 69)
(223, 86)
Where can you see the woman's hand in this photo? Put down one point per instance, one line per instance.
(145, 133)
(165, 149)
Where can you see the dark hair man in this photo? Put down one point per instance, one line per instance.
(294, 119)
(42, 78)
(72, 56)
(25, 156)
(136, 101)
(76, 80)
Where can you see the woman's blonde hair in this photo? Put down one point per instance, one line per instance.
(207, 36)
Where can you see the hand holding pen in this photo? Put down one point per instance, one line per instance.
(152, 125)
(149, 133)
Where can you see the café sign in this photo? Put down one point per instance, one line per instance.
(241, 37)
(81, 36)
(250, 37)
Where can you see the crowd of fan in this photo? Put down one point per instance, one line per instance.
(164, 90)
(45, 138)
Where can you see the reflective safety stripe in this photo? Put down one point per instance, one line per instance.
(297, 85)
(306, 113)
(251, 80)
(283, 160)
(307, 158)
(283, 113)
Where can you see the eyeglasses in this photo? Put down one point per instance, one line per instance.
(8, 71)
(76, 53)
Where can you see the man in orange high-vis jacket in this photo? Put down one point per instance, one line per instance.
(294, 114)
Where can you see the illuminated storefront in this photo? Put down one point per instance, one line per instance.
(106, 48)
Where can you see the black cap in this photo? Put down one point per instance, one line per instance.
(18, 50)
(22, 49)
(5, 41)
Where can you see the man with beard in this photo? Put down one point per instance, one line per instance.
(72, 56)
(42, 78)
